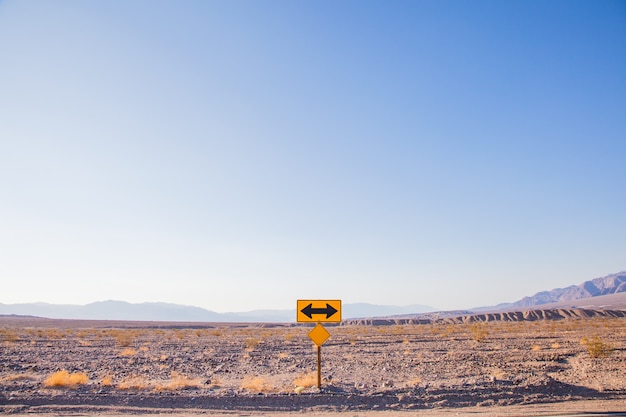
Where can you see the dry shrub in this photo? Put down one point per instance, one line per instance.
(179, 334)
(536, 348)
(53, 334)
(17, 377)
(252, 343)
(478, 332)
(178, 381)
(596, 347)
(414, 381)
(306, 380)
(448, 330)
(9, 335)
(65, 379)
(133, 382)
(107, 381)
(125, 338)
(128, 352)
(257, 384)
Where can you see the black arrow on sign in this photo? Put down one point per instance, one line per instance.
(309, 311)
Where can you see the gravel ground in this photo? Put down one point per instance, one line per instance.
(234, 368)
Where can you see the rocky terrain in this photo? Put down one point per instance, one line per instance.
(507, 316)
(439, 365)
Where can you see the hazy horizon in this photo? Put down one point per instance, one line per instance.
(241, 155)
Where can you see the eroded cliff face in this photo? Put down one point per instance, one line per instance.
(528, 315)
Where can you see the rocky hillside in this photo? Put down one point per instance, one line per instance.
(528, 315)
(610, 284)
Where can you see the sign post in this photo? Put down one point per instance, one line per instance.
(318, 311)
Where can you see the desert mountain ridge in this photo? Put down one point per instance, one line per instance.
(151, 311)
(607, 285)
(604, 292)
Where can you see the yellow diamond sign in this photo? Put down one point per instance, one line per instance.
(319, 334)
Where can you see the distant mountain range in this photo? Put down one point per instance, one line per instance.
(121, 310)
(610, 284)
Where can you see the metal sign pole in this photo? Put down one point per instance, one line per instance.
(319, 367)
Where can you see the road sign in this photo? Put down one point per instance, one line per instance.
(308, 311)
(327, 311)
(319, 334)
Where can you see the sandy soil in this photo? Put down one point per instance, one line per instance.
(496, 368)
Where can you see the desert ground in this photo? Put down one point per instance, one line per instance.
(535, 367)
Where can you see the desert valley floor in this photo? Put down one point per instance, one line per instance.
(53, 365)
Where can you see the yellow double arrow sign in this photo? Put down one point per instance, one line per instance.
(317, 311)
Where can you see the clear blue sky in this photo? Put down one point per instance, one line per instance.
(237, 155)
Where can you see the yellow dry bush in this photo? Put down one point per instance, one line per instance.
(124, 337)
(306, 380)
(257, 384)
(252, 343)
(107, 381)
(128, 352)
(133, 382)
(415, 381)
(17, 377)
(596, 347)
(178, 381)
(9, 335)
(478, 332)
(66, 380)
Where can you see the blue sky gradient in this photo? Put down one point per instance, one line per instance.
(237, 155)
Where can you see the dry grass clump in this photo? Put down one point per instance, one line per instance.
(178, 381)
(257, 384)
(415, 381)
(252, 343)
(128, 352)
(17, 377)
(53, 334)
(9, 335)
(65, 379)
(447, 330)
(133, 382)
(107, 381)
(478, 332)
(596, 347)
(125, 338)
(306, 380)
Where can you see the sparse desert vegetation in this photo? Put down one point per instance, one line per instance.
(65, 379)
(413, 366)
